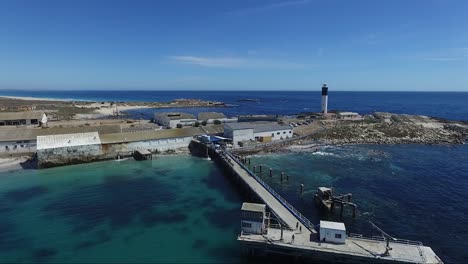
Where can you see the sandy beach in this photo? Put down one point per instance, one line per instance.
(13, 163)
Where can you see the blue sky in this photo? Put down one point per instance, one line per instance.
(234, 45)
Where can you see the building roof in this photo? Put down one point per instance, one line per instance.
(21, 115)
(175, 115)
(347, 113)
(67, 140)
(203, 116)
(239, 126)
(253, 207)
(143, 152)
(257, 127)
(159, 134)
(17, 134)
(332, 225)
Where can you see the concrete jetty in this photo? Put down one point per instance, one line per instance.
(297, 237)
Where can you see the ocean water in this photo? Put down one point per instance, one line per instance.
(450, 105)
(170, 209)
(183, 209)
(414, 192)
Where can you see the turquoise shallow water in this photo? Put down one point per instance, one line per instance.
(183, 209)
(171, 209)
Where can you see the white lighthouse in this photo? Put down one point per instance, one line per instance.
(324, 98)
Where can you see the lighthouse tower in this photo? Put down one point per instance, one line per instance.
(324, 98)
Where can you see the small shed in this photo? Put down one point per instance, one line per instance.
(142, 154)
(332, 232)
(253, 218)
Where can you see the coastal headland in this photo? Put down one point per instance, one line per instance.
(66, 137)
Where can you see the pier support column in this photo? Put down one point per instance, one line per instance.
(282, 176)
(249, 161)
(302, 188)
(254, 169)
(261, 168)
(271, 172)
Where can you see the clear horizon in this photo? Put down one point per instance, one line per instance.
(275, 45)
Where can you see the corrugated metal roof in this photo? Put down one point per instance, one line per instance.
(213, 129)
(253, 207)
(21, 115)
(239, 126)
(17, 134)
(175, 115)
(151, 135)
(203, 116)
(257, 127)
(332, 225)
(67, 140)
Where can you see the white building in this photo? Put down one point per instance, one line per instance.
(171, 120)
(349, 116)
(22, 118)
(332, 232)
(239, 132)
(253, 218)
(62, 149)
(15, 140)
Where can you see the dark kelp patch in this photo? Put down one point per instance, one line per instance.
(25, 194)
(118, 201)
(43, 254)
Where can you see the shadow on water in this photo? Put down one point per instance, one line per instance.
(222, 217)
(25, 194)
(118, 201)
(100, 237)
(215, 182)
(44, 254)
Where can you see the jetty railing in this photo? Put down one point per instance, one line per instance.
(306, 222)
(380, 238)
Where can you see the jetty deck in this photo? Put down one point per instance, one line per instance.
(306, 242)
(285, 212)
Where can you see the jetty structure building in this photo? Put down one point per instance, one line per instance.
(272, 226)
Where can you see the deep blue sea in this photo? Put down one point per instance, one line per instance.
(449, 105)
(183, 209)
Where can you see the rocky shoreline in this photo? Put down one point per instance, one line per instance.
(388, 128)
(378, 128)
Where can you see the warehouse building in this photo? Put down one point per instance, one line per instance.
(263, 132)
(68, 148)
(171, 120)
(22, 118)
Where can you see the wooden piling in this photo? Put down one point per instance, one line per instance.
(261, 168)
(302, 188)
(282, 176)
(254, 169)
(271, 172)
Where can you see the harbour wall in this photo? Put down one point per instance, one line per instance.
(54, 157)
